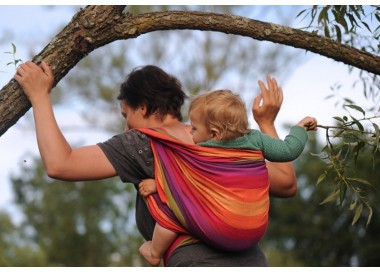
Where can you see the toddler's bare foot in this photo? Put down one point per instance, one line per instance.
(146, 251)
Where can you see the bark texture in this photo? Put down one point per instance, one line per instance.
(96, 26)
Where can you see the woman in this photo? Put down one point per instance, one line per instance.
(149, 97)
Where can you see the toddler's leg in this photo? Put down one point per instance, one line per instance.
(154, 250)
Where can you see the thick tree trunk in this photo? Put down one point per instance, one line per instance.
(96, 26)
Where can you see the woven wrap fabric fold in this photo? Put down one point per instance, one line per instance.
(218, 195)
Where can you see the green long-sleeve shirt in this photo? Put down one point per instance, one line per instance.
(275, 150)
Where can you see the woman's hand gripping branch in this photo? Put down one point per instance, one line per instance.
(36, 81)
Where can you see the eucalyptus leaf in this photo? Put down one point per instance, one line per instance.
(321, 177)
(331, 197)
(353, 205)
(370, 213)
(355, 107)
(338, 119)
(360, 181)
(358, 212)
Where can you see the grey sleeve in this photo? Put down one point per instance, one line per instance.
(131, 156)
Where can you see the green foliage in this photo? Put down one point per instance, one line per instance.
(302, 232)
(15, 60)
(346, 143)
(342, 22)
(355, 25)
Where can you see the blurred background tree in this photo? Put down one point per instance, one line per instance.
(93, 224)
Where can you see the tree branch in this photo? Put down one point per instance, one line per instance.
(96, 26)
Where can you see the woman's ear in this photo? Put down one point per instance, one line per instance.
(215, 134)
(142, 110)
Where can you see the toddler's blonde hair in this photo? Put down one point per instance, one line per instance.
(223, 110)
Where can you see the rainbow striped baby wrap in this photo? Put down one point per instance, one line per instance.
(217, 195)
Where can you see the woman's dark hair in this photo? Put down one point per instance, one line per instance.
(151, 86)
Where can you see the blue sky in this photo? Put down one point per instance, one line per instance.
(304, 91)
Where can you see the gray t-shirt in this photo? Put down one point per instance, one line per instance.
(131, 155)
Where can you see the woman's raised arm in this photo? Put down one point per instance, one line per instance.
(282, 177)
(60, 160)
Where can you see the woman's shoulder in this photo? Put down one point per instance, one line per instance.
(134, 136)
(127, 138)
